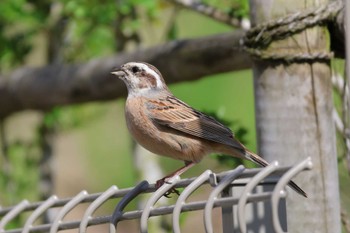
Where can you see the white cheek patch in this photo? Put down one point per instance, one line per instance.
(150, 71)
(135, 81)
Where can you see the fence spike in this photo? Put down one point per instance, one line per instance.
(94, 205)
(184, 195)
(118, 211)
(154, 198)
(38, 212)
(281, 184)
(12, 214)
(65, 210)
(247, 192)
(227, 180)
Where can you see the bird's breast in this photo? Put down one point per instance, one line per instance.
(160, 140)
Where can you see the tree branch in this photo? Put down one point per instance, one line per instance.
(181, 60)
(57, 85)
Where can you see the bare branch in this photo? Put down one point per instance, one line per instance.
(54, 85)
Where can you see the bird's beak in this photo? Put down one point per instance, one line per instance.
(118, 72)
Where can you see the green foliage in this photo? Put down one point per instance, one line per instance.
(86, 29)
(236, 8)
(14, 39)
(19, 174)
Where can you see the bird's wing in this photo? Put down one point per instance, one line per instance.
(173, 113)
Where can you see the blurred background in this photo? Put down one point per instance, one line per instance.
(86, 146)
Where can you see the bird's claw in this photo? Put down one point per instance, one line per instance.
(167, 194)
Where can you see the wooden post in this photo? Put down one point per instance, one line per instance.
(294, 118)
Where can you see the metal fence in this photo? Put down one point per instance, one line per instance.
(239, 193)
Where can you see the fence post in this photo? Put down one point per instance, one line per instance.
(294, 117)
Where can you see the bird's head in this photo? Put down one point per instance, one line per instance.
(140, 78)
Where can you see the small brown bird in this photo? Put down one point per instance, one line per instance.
(167, 126)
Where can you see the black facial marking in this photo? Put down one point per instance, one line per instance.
(135, 69)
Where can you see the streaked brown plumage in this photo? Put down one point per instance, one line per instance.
(167, 126)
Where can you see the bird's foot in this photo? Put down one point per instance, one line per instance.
(162, 181)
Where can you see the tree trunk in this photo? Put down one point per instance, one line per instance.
(294, 118)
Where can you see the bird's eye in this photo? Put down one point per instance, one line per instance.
(135, 69)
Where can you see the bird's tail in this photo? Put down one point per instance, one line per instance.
(260, 161)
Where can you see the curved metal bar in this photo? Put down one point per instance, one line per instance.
(94, 205)
(38, 212)
(282, 183)
(247, 191)
(185, 194)
(65, 209)
(154, 198)
(118, 211)
(12, 214)
(227, 180)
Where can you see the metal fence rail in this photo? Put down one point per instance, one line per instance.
(231, 191)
